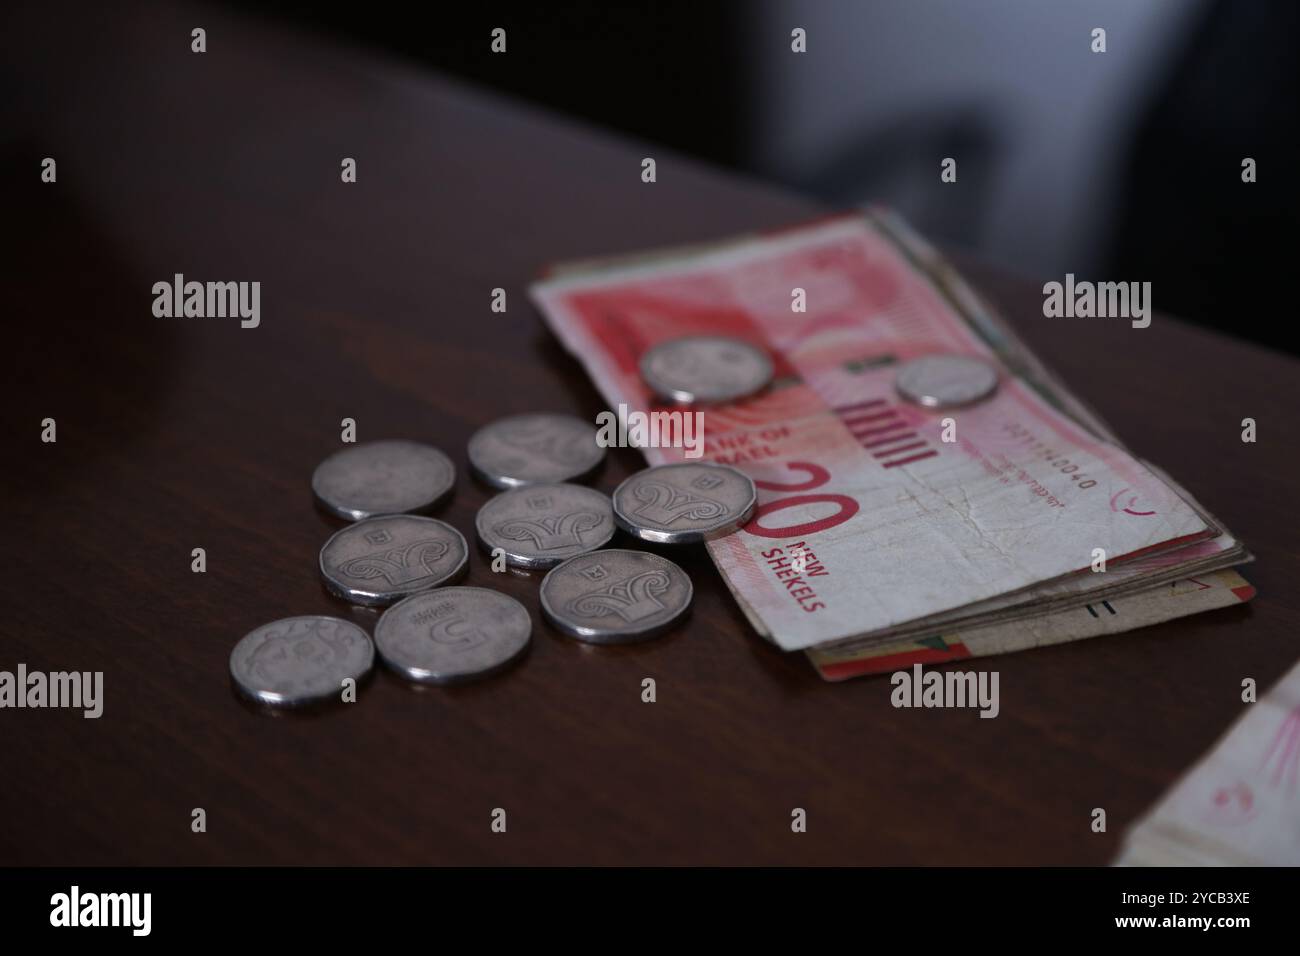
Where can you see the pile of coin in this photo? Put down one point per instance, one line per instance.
(432, 632)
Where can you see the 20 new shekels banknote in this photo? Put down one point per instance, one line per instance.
(927, 490)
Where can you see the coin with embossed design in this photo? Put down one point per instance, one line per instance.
(539, 526)
(684, 502)
(300, 660)
(615, 596)
(705, 369)
(382, 477)
(382, 560)
(534, 449)
(453, 634)
(946, 381)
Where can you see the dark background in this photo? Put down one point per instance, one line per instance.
(1122, 166)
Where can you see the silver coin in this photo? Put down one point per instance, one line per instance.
(300, 660)
(705, 369)
(541, 525)
(684, 503)
(452, 634)
(946, 381)
(615, 596)
(382, 560)
(383, 477)
(534, 449)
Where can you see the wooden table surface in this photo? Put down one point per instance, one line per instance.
(183, 433)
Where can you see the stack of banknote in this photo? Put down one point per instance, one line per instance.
(889, 533)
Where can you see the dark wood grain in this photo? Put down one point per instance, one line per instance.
(175, 434)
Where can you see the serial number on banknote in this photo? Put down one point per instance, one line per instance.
(1041, 449)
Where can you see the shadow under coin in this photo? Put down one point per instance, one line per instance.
(314, 710)
(459, 687)
(629, 648)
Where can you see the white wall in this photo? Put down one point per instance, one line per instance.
(1059, 112)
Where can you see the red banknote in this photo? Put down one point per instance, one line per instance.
(875, 513)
